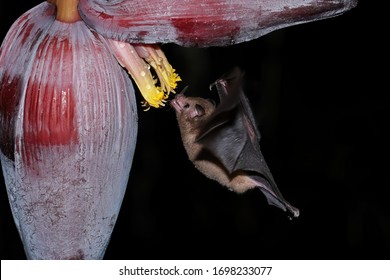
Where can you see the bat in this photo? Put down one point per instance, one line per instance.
(222, 140)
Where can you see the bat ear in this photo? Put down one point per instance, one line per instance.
(184, 90)
(198, 111)
(212, 101)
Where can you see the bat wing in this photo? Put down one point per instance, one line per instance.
(273, 195)
(231, 134)
(252, 160)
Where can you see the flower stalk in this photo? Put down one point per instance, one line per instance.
(66, 10)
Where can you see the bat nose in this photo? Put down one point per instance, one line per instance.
(176, 103)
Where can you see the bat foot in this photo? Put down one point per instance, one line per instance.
(294, 212)
(279, 201)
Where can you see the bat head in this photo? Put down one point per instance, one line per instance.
(192, 110)
(191, 113)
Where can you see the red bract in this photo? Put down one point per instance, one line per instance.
(68, 130)
(202, 23)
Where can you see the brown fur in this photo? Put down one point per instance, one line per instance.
(190, 120)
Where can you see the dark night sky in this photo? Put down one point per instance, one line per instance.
(319, 95)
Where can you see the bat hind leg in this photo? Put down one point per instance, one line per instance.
(274, 197)
(280, 203)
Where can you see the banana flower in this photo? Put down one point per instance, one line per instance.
(68, 116)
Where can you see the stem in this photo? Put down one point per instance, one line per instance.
(66, 10)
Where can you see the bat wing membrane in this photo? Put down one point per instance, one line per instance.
(231, 135)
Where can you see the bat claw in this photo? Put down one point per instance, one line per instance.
(294, 211)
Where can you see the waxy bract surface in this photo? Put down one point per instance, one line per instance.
(68, 130)
(202, 23)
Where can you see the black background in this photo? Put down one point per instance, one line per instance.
(321, 98)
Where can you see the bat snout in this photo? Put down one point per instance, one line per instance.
(175, 105)
(179, 102)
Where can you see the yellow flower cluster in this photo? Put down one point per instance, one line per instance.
(138, 60)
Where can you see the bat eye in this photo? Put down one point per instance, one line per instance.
(186, 106)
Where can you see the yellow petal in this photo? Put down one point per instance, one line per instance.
(155, 57)
(138, 60)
